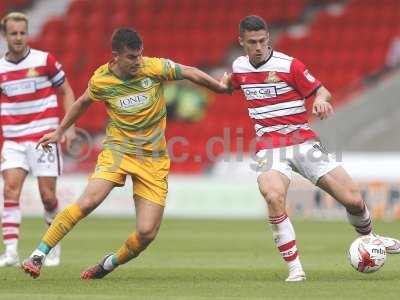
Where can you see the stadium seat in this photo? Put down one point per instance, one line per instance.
(201, 32)
(13, 5)
(361, 56)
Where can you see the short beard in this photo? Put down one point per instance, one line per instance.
(23, 51)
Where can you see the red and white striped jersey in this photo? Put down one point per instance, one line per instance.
(275, 93)
(29, 106)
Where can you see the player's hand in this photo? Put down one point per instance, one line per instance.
(47, 139)
(322, 109)
(69, 137)
(225, 83)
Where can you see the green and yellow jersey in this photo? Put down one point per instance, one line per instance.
(136, 107)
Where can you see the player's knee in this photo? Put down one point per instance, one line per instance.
(146, 234)
(88, 202)
(11, 190)
(87, 207)
(354, 201)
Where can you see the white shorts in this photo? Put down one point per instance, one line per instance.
(25, 155)
(309, 159)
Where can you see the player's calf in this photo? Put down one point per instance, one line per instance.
(360, 219)
(273, 187)
(275, 201)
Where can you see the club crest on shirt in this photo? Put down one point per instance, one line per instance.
(32, 73)
(146, 83)
(263, 165)
(272, 77)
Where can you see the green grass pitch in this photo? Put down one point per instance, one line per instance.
(203, 259)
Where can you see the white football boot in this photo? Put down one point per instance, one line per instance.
(9, 259)
(296, 275)
(392, 245)
(53, 258)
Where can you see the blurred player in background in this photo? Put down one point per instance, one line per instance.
(275, 87)
(131, 87)
(29, 81)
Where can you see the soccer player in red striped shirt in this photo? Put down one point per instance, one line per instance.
(275, 87)
(29, 81)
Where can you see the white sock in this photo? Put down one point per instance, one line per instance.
(285, 240)
(38, 253)
(49, 215)
(11, 220)
(361, 222)
(108, 264)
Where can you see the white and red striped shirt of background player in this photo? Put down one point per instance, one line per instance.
(275, 93)
(29, 106)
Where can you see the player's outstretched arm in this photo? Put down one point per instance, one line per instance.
(68, 100)
(199, 77)
(321, 106)
(76, 110)
(226, 80)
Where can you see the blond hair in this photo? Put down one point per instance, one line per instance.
(15, 16)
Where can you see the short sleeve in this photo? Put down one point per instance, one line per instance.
(55, 71)
(304, 82)
(93, 90)
(235, 81)
(164, 69)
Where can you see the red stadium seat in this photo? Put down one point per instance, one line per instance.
(79, 6)
(200, 33)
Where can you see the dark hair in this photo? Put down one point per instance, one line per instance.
(252, 23)
(125, 37)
